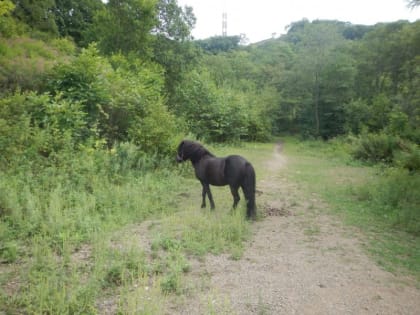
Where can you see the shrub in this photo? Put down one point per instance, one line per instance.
(35, 125)
(122, 99)
(409, 157)
(376, 148)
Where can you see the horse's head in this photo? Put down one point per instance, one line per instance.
(180, 152)
(190, 150)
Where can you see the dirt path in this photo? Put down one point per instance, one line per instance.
(299, 261)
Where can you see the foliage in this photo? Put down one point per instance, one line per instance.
(219, 115)
(408, 157)
(218, 44)
(177, 59)
(24, 62)
(376, 148)
(37, 14)
(124, 26)
(6, 7)
(122, 99)
(35, 126)
(174, 22)
(323, 76)
(88, 132)
(74, 18)
(387, 148)
(8, 25)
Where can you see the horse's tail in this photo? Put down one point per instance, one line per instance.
(249, 190)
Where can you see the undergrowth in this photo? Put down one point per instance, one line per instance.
(59, 250)
(48, 212)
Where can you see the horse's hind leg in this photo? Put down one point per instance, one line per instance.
(235, 194)
(203, 195)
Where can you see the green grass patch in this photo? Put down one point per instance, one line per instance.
(66, 231)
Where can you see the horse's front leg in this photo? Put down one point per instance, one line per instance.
(212, 206)
(206, 190)
(203, 195)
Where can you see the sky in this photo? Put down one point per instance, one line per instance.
(263, 19)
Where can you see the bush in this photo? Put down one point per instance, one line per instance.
(409, 157)
(121, 98)
(35, 125)
(376, 148)
(385, 148)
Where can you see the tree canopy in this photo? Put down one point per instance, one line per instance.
(322, 79)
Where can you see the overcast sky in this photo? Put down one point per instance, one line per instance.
(260, 19)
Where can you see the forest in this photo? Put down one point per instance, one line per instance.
(118, 72)
(95, 97)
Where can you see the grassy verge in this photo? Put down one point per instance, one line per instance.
(72, 239)
(383, 206)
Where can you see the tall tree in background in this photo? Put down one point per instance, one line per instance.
(125, 26)
(74, 17)
(386, 72)
(172, 47)
(39, 15)
(321, 78)
(174, 22)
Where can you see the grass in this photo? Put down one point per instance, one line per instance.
(97, 234)
(359, 195)
(72, 239)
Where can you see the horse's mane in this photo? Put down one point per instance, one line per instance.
(194, 150)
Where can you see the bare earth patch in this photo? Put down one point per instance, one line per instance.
(299, 261)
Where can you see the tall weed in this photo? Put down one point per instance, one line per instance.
(395, 196)
(48, 212)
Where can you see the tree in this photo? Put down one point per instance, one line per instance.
(74, 17)
(125, 26)
(8, 25)
(171, 46)
(219, 44)
(39, 15)
(174, 22)
(321, 79)
(6, 7)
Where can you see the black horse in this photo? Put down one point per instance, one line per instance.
(232, 170)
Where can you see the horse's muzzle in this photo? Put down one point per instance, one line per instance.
(179, 158)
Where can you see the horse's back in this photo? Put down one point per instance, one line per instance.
(211, 170)
(236, 168)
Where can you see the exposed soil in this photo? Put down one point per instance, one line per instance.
(299, 260)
